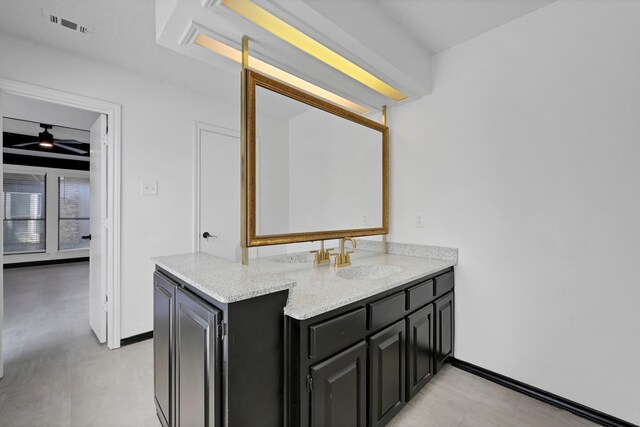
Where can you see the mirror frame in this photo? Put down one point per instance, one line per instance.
(253, 80)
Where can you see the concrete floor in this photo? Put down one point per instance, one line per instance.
(456, 398)
(57, 374)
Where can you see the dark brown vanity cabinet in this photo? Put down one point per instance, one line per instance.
(339, 387)
(164, 297)
(386, 374)
(217, 364)
(187, 374)
(420, 341)
(198, 391)
(444, 329)
(376, 353)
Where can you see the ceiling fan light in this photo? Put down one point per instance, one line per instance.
(45, 139)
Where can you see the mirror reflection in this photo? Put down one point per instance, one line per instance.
(315, 171)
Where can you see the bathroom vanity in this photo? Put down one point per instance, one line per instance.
(360, 364)
(284, 342)
(289, 340)
(218, 341)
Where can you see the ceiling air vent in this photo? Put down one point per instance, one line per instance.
(66, 23)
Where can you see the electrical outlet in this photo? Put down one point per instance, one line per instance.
(365, 219)
(149, 188)
(419, 220)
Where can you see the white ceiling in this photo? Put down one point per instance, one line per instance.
(123, 35)
(439, 24)
(37, 111)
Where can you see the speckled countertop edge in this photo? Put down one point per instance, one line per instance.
(411, 249)
(313, 290)
(303, 303)
(221, 279)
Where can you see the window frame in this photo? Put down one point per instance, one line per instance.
(45, 212)
(51, 215)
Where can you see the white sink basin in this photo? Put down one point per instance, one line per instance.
(362, 272)
(294, 258)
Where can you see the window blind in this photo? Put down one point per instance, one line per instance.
(24, 219)
(73, 210)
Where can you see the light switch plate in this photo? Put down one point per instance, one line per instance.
(149, 188)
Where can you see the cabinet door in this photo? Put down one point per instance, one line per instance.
(386, 373)
(444, 329)
(420, 330)
(198, 371)
(338, 389)
(164, 293)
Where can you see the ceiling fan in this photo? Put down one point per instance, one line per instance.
(46, 140)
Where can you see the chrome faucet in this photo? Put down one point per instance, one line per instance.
(343, 259)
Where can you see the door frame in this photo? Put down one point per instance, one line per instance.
(198, 128)
(113, 112)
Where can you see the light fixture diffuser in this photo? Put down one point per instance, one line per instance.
(295, 37)
(276, 73)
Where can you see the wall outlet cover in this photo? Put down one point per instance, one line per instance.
(149, 188)
(419, 220)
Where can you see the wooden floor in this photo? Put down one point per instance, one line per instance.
(57, 374)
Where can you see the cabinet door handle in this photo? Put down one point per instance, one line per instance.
(87, 237)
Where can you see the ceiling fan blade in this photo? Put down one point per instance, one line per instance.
(24, 144)
(68, 141)
(66, 147)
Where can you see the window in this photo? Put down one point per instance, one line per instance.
(24, 212)
(73, 209)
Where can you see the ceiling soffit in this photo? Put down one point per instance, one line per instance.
(398, 66)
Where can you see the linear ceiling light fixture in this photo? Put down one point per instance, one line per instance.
(261, 66)
(297, 38)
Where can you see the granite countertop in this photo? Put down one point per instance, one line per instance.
(313, 290)
(221, 279)
(321, 289)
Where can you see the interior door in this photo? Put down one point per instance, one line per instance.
(219, 158)
(98, 215)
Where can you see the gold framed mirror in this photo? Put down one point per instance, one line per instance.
(313, 170)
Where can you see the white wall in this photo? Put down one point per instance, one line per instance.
(157, 135)
(526, 157)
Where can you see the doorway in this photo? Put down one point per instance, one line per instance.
(105, 239)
